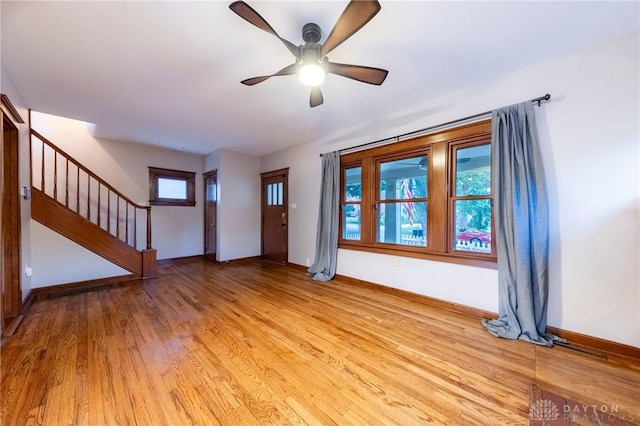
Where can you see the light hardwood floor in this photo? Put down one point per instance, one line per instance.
(256, 343)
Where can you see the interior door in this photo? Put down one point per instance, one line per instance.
(275, 220)
(210, 207)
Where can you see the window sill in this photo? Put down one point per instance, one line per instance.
(459, 259)
(172, 203)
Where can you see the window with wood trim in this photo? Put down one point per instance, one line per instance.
(171, 187)
(427, 197)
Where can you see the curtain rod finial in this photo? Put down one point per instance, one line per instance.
(542, 98)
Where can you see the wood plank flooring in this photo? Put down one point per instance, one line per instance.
(256, 343)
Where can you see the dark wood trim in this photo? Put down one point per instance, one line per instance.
(279, 172)
(40, 293)
(10, 237)
(608, 346)
(13, 112)
(189, 178)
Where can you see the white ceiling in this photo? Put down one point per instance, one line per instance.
(168, 73)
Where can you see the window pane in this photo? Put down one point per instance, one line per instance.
(401, 223)
(353, 184)
(211, 192)
(269, 200)
(473, 226)
(403, 179)
(175, 189)
(351, 222)
(473, 171)
(274, 195)
(280, 189)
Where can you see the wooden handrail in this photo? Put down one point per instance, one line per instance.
(95, 181)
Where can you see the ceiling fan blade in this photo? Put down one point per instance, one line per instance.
(356, 72)
(247, 13)
(288, 70)
(316, 97)
(355, 16)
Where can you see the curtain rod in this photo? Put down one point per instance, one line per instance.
(426, 129)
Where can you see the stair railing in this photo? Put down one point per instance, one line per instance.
(58, 175)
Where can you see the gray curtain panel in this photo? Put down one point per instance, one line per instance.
(324, 266)
(521, 227)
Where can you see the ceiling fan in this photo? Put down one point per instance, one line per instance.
(311, 63)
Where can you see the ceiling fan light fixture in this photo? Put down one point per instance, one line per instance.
(311, 74)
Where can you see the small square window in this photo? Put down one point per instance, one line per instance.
(171, 187)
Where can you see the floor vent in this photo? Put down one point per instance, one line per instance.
(73, 291)
(583, 349)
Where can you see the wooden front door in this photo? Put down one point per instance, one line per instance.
(10, 235)
(210, 208)
(275, 220)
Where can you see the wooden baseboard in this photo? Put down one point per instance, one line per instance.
(598, 343)
(437, 303)
(40, 293)
(176, 260)
(298, 267)
(241, 260)
(28, 301)
(603, 345)
(199, 257)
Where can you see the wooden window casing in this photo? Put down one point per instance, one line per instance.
(189, 178)
(440, 150)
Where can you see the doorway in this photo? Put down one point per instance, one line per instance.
(210, 211)
(275, 221)
(10, 235)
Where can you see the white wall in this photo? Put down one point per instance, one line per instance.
(238, 207)
(178, 230)
(590, 136)
(57, 260)
(8, 87)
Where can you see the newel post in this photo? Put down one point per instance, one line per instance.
(148, 255)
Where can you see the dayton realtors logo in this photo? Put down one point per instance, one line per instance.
(546, 412)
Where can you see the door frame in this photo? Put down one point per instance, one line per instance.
(205, 176)
(10, 214)
(263, 176)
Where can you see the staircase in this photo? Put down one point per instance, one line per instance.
(70, 199)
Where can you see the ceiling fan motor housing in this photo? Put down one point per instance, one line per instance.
(311, 33)
(310, 52)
